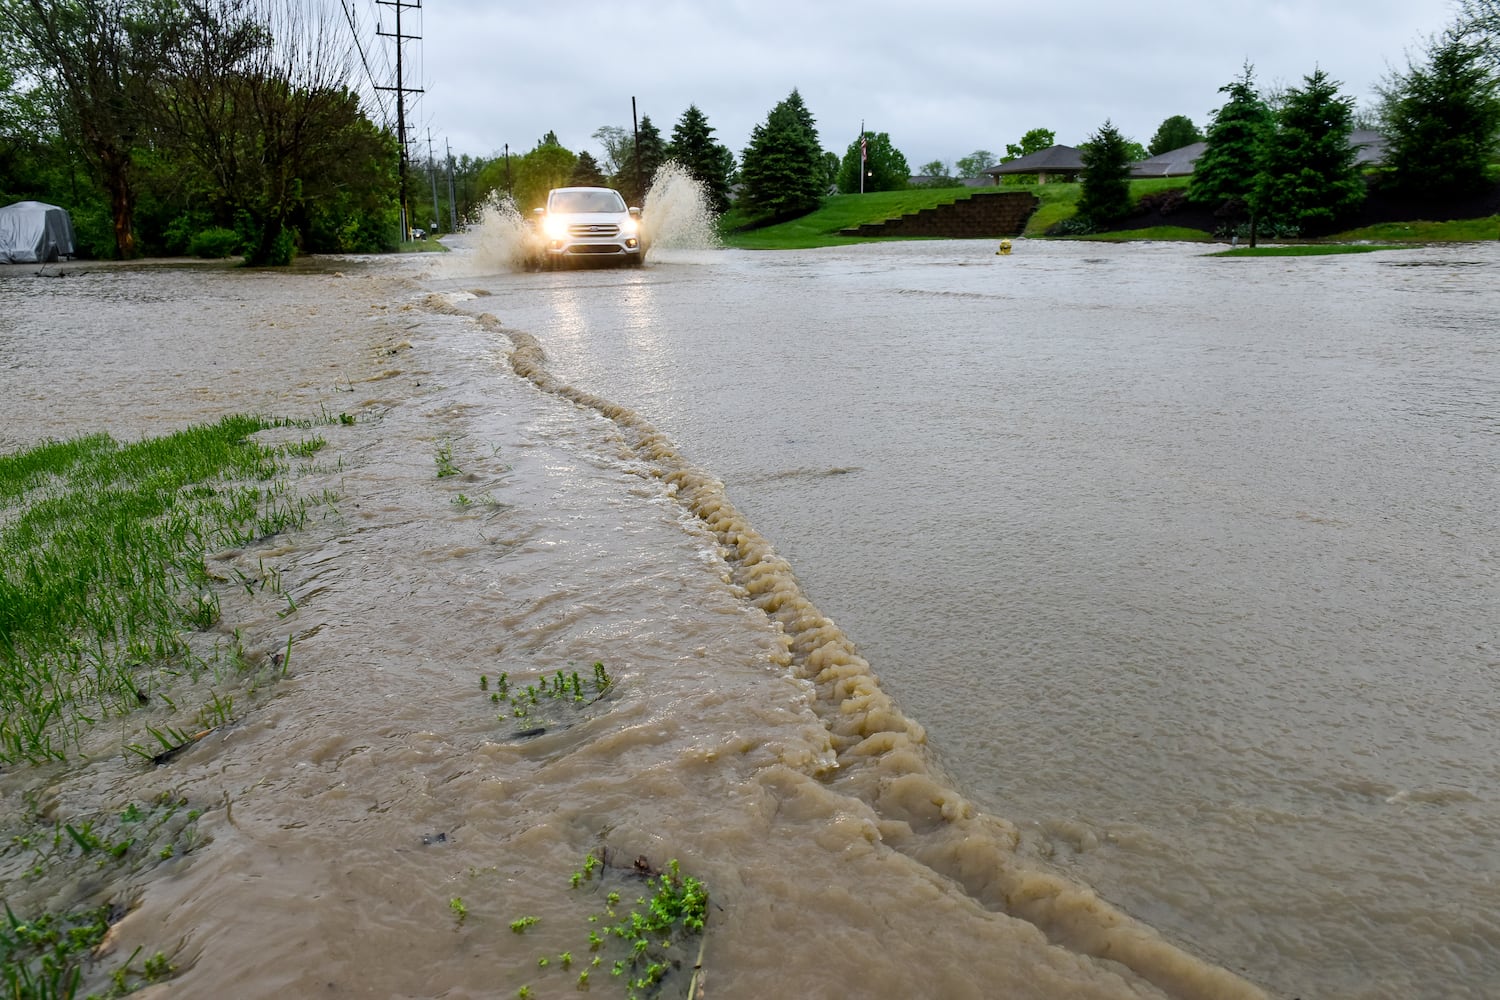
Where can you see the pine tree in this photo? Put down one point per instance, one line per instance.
(650, 151)
(709, 163)
(1104, 192)
(1231, 157)
(586, 172)
(783, 169)
(1441, 120)
(1308, 178)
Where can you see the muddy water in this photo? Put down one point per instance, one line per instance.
(348, 804)
(1186, 566)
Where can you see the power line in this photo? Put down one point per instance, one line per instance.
(364, 61)
(401, 91)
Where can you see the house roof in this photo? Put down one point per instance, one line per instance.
(1172, 163)
(1053, 159)
(1370, 145)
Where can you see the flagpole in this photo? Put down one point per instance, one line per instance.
(861, 156)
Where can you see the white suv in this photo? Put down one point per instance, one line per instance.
(588, 223)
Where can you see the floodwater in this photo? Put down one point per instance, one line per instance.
(1088, 622)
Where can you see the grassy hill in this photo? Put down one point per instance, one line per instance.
(1060, 201)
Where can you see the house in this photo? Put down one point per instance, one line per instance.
(1065, 162)
(1058, 163)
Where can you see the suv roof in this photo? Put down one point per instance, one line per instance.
(585, 199)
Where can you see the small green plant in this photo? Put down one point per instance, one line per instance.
(675, 909)
(548, 694)
(445, 464)
(520, 925)
(460, 911)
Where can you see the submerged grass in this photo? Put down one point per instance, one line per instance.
(102, 571)
(103, 592)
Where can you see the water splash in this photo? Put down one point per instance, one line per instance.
(502, 237)
(676, 214)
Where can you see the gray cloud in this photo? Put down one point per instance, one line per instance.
(942, 81)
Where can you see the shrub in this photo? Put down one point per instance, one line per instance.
(1162, 202)
(215, 242)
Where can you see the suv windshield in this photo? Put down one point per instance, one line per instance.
(586, 201)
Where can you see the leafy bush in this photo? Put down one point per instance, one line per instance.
(1078, 225)
(215, 242)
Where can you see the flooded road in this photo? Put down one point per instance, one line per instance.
(936, 588)
(1187, 566)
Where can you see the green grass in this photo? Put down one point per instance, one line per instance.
(430, 245)
(102, 575)
(1308, 250)
(845, 211)
(840, 211)
(1179, 234)
(105, 607)
(1456, 231)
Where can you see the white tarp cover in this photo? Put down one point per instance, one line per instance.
(33, 233)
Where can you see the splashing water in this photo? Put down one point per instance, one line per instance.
(676, 214)
(503, 235)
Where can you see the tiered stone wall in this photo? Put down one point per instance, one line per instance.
(983, 214)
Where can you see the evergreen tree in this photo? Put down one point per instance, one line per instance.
(1442, 120)
(884, 167)
(783, 168)
(642, 158)
(1174, 133)
(709, 163)
(1104, 193)
(1231, 159)
(1308, 179)
(586, 172)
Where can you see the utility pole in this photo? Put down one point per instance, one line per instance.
(635, 127)
(452, 198)
(432, 176)
(401, 91)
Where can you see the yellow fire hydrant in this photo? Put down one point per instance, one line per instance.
(1004, 248)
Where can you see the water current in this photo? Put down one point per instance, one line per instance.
(1092, 621)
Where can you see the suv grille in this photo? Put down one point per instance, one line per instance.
(596, 229)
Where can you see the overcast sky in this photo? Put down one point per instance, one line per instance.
(943, 79)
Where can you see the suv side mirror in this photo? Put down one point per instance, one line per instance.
(635, 212)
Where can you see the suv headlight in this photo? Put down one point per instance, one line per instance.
(554, 227)
(629, 226)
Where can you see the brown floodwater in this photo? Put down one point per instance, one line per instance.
(348, 804)
(1052, 632)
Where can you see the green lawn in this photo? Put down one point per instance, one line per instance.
(845, 211)
(1309, 250)
(1058, 201)
(1457, 231)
